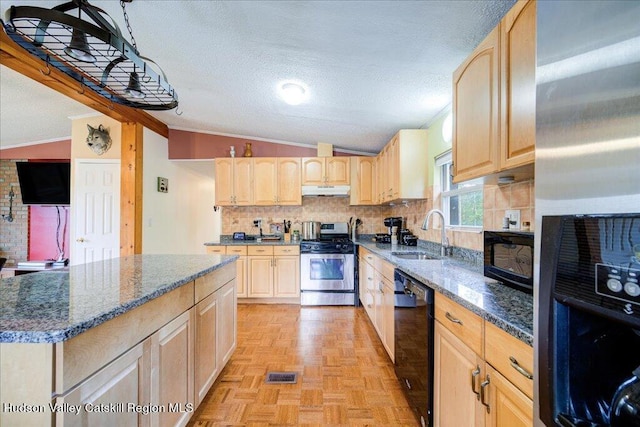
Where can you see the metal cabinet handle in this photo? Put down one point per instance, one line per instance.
(80, 240)
(406, 381)
(515, 365)
(453, 319)
(474, 376)
(483, 393)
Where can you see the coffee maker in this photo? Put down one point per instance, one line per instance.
(394, 224)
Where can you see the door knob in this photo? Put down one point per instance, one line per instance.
(80, 240)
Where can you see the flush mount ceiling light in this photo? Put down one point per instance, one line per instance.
(292, 93)
(92, 52)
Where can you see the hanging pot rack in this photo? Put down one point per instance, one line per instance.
(118, 67)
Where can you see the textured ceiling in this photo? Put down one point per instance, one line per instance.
(371, 67)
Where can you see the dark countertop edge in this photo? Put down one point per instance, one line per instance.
(506, 325)
(232, 242)
(55, 336)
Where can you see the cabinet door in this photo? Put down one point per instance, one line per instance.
(394, 168)
(518, 85)
(206, 366)
(286, 276)
(378, 305)
(508, 406)
(224, 181)
(265, 170)
(289, 181)
(172, 364)
(226, 323)
(120, 382)
(363, 180)
(456, 368)
(260, 276)
(243, 182)
(388, 307)
(338, 170)
(241, 268)
(475, 111)
(313, 171)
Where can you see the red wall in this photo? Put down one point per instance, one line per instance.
(195, 145)
(43, 223)
(59, 150)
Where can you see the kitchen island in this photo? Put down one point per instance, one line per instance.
(137, 340)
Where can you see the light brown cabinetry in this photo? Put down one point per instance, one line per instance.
(273, 271)
(518, 85)
(277, 181)
(241, 268)
(172, 374)
(326, 171)
(234, 181)
(402, 167)
(363, 181)
(482, 374)
(494, 99)
(122, 381)
(376, 276)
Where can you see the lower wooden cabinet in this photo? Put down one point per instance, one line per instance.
(273, 271)
(122, 383)
(455, 402)
(508, 406)
(468, 389)
(377, 297)
(172, 374)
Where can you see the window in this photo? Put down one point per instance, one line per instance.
(461, 203)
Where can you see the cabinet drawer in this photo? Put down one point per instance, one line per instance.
(236, 250)
(260, 250)
(500, 348)
(463, 323)
(216, 250)
(386, 269)
(286, 250)
(367, 256)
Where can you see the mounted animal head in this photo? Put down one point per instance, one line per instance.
(98, 139)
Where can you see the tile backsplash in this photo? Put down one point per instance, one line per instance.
(323, 209)
(497, 199)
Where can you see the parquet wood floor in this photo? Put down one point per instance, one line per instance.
(344, 375)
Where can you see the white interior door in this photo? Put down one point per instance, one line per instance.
(96, 211)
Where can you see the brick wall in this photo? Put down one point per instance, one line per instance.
(14, 236)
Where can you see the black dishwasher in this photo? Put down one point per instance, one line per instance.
(413, 317)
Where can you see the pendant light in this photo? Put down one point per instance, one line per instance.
(79, 48)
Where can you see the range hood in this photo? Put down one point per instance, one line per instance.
(326, 190)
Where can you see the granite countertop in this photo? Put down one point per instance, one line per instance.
(507, 308)
(53, 306)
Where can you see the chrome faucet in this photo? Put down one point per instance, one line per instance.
(444, 242)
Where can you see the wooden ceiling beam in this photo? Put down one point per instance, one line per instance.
(15, 57)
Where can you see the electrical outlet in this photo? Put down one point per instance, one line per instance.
(514, 218)
(163, 185)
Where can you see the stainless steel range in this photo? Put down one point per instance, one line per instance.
(327, 267)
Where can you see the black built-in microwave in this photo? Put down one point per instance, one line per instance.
(508, 258)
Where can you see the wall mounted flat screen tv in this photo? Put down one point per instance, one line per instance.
(44, 183)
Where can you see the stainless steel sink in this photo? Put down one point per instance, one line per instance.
(413, 255)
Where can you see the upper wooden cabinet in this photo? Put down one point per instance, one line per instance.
(277, 181)
(363, 181)
(234, 181)
(326, 171)
(475, 111)
(494, 99)
(518, 85)
(402, 167)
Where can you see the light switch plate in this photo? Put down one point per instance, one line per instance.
(163, 185)
(514, 218)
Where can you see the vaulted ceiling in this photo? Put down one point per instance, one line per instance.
(370, 67)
